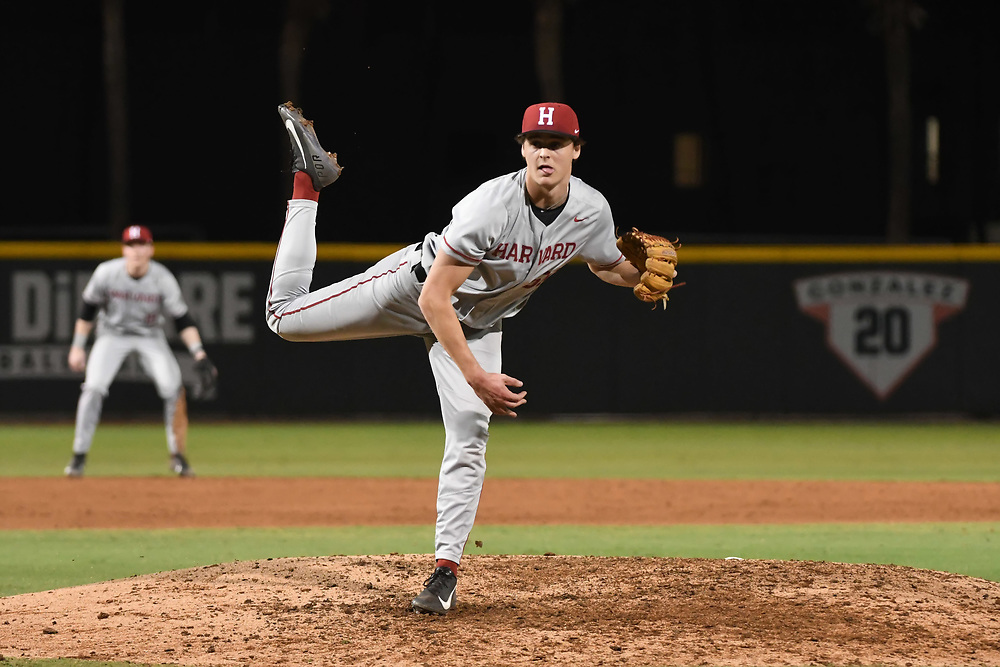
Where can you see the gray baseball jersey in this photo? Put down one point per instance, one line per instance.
(513, 251)
(133, 306)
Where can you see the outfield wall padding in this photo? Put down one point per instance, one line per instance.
(766, 331)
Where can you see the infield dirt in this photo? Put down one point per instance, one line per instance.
(512, 610)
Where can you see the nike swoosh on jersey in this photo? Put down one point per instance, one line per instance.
(575, 219)
(447, 605)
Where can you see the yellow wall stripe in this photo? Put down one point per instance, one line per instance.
(369, 252)
(806, 254)
(173, 250)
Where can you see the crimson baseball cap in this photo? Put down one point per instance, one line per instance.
(137, 234)
(551, 117)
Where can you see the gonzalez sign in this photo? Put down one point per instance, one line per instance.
(881, 323)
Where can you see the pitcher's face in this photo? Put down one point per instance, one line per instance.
(549, 158)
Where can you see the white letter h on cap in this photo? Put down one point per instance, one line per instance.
(545, 115)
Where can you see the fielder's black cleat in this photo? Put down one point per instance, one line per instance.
(180, 466)
(307, 154)
(75, 467)
(439, 596)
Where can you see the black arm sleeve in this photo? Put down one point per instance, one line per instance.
(183, 322)
(88, 312)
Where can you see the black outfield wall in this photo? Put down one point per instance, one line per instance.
(775, 330)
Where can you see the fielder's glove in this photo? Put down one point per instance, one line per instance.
(206, 380)
(656, 259)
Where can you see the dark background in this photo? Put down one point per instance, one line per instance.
(421, 101)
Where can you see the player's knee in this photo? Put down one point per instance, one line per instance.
(95, 391)
(274, 324)
(470, 428)
(291, 338)
(171, 393)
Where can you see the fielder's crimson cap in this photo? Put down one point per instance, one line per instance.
(137, 234)
(551, 117)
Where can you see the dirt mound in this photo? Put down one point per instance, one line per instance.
(518, 610)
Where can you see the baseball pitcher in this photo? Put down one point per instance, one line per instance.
(454, 289)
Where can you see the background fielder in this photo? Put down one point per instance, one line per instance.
(454, 289)
(130, 297)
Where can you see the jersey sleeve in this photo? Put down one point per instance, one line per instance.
(96, 291)
(476, 223)
(173, 300)
(601, 249)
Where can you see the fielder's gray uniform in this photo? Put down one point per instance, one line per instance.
(494, 229)
(131, 316)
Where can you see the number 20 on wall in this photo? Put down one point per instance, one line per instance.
(882, 330)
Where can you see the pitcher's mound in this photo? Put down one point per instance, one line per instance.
(518, 610)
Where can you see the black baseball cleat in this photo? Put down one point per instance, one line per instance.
(179, 465)
(307, 154)
(439, 595)
(75, 467)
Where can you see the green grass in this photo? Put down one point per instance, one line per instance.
(43, 560)
(666, 449)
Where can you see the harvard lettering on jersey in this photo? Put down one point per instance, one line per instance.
(133, 306)
(494, 229)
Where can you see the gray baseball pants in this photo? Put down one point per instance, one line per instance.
(106, 357)
(382, 302)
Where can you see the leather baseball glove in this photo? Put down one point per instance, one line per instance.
(206, 380)
(656, 258)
